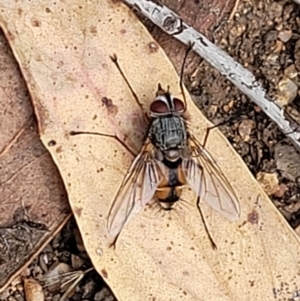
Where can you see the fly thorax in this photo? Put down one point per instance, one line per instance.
(168, 134)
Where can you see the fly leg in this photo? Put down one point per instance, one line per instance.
(213, 244)
(188, 50)
(74, 133)
(208, 129)
(115, 61)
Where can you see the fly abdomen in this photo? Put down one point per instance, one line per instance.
(173, 197)
(170, 191)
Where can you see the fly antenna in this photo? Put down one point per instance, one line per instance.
(188, 50)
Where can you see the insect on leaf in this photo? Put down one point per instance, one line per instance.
(67, 65)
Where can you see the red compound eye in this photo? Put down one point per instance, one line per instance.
(159, 106)
(178, 105)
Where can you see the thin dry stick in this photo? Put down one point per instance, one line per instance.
(236, 4)
(71, 287)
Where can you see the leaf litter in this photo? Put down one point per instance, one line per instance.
(266, 219)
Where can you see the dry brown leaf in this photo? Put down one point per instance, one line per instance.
(33, 202)
(63, 50)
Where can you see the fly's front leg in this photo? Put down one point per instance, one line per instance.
(207, 131)
(115, 61)
(190, 47)
(74, 133)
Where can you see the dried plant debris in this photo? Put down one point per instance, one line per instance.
(263, 37)
(62, 271)
(16, 242)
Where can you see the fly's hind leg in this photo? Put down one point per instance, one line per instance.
(114, 59)
(213, 244)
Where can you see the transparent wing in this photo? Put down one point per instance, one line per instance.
(137, 189)
(208, 181)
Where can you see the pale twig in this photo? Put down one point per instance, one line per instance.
(236, 4)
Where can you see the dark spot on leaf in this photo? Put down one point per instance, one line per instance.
(107, 102)
(104, 273)
(59, 149)
(111, 108)
(52, 143)
(93, 30)
(253, 217)
(36, 23)
(78, 211)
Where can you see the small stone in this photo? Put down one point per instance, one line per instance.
(277, 47)
(285, 35)
(5, 295)
(287, 91)
(104, 295)
(89, 289)
(257, 109)
(213, 110)
(297, 55)
(77, 262)
(16, 281)
(19, 297)
(20, 287)
(281, 191)
(33, 290)
(25, 273)
(291, 71)
(287, 161)
(226, 108)
(269, 182)
(245, 128)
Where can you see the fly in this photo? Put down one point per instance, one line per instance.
(170, 158)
